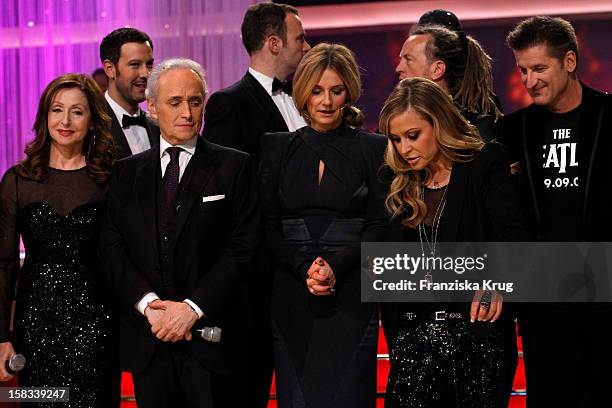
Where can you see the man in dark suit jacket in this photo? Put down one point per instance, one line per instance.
(127, 57)
(179, 233)
(560, 146)
(261, 101)
(237, 117)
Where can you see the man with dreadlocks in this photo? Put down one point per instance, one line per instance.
(458, 64)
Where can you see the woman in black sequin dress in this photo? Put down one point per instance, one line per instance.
(321, 197)
(63, 324)
(448, 186)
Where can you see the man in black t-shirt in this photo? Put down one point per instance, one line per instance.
(560, 146)
(559, 186)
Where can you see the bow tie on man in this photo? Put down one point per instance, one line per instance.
(139, 120)
(285, 86)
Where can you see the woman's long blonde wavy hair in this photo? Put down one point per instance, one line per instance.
(457, 140)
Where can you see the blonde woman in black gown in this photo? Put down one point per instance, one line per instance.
(321, 197)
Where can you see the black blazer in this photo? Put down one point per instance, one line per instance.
(237, 116)
(522, 131)
(212, 246)
(481, 206)
(122, 148)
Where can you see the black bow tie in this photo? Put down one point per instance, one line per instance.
(277, 84)
(139, 120)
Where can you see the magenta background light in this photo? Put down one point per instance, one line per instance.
(42, 39)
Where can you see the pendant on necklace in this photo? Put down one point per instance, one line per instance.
(428, 277)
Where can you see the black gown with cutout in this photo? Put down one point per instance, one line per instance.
(324, 346)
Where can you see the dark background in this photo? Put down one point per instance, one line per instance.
(377, 50)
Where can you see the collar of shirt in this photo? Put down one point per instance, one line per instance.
(188, 147)
(136, 136)
(117, 109)
(283, 102)
(264, 80)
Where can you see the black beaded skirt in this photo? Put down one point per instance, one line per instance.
(441, 359)
(62, 326)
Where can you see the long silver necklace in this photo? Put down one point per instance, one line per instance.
(435, 224)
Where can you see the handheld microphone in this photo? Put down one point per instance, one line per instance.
(212, 334)
(15, 363)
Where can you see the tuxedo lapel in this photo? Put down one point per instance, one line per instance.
(152, 132)
(122, 148)
(197, 174)
(147, 177)
(264, 101)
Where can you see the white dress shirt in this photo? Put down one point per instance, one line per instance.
(284, 102)
(187, 151)
(136, 136)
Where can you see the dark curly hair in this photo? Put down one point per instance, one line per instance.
(98, 144)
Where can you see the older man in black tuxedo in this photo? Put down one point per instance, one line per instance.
(179, 232)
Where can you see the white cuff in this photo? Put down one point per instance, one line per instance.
(144, 302)
(195, 308)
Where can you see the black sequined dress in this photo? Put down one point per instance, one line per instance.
(62, 325)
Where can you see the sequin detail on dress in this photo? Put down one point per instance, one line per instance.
(62, 324)
(448, 364)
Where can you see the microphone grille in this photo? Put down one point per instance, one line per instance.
(17, 362)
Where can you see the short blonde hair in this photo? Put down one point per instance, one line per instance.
(338, 58)
(457, 140)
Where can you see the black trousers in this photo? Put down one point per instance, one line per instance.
(175, 379)
(566, 350)
(260, 361)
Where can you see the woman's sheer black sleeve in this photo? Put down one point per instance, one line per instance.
(9, 249)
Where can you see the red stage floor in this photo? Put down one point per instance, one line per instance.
(517, 401)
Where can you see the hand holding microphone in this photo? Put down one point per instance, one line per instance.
(10, 362)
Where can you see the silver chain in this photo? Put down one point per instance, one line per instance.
(435, 224)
